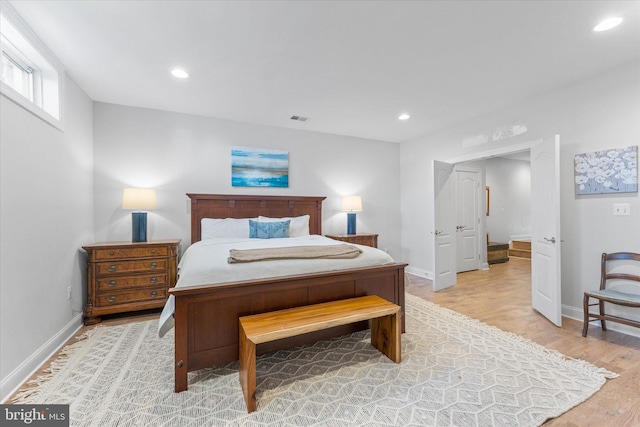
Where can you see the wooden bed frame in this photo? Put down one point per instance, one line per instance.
(206, 316)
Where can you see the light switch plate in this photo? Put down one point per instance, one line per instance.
(621, 209)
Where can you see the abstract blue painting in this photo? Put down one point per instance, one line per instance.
(259, 167)
(607, 171)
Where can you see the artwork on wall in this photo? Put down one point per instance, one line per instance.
(259, 167)
(607, 171)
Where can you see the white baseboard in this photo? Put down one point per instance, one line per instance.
(13, 381)
(418, 272)
(572, 312)
(577, 314)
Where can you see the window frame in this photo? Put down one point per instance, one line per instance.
(48, 76)
(27, 71)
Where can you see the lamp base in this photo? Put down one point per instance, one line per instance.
(351, 223)
(139, 226)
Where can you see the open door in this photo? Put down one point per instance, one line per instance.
(545, 229)
(444, 262)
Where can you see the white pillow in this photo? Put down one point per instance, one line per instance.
(212, 228)
(299, 225)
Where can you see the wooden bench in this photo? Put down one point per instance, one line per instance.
(611, 296)
(260, 328)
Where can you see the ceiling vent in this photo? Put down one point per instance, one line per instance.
(299, 118)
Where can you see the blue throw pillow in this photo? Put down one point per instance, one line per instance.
(268, 230)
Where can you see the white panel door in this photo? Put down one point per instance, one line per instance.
(468, 220)
(444, 262)
(545, 229)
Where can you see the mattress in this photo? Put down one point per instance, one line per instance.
(205, 263)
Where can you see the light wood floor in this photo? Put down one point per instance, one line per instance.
(501, 297)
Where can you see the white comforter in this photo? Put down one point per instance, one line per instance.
(205, 263)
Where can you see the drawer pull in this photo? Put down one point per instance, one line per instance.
(153, 251)
(112, 299)
(112, 268)
(154, 280)
(154, 265)
(112, 283)
(111, 252)
(154, 294)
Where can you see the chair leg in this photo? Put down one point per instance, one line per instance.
(604, 325)
(585, 309)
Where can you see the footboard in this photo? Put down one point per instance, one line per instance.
(206, 317)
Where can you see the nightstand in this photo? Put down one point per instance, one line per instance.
(123, 277)
(358, 239)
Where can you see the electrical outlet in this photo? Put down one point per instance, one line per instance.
(621, 209)
(69, 292)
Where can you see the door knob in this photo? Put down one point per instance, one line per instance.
(552, 240)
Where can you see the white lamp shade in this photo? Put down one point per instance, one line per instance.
(352, 204)
(139, 198)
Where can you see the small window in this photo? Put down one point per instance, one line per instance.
(31, 76)
(17, 75)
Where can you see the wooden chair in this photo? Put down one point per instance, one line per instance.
(606, 294)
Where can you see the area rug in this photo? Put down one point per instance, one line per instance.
(455, 371)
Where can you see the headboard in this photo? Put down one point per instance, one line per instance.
(248, 206)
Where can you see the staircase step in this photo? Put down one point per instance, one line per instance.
(520, 253)
(521, 244)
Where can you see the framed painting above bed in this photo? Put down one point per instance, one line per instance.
(259, 167)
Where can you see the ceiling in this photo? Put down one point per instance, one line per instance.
(351, 67)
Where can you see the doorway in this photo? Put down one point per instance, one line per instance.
(508, 206)
(545, 202)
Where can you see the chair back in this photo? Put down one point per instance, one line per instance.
(607, 274)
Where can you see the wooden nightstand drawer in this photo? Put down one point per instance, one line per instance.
(108, 268)
(114, 283)
(358, 239)
(370, 240)
(128, 253)
(113, 298)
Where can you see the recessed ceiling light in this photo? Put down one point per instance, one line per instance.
(404, 116)
(608, 24)
(181, 74)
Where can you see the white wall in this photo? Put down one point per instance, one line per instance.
(510, 194)
(46, 202)
(179, 153)
(591, 115)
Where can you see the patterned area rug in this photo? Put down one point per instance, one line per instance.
(455, 371)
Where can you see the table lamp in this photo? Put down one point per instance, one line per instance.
(139, 199)
(351, 205)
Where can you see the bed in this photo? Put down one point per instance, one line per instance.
(205, 316)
